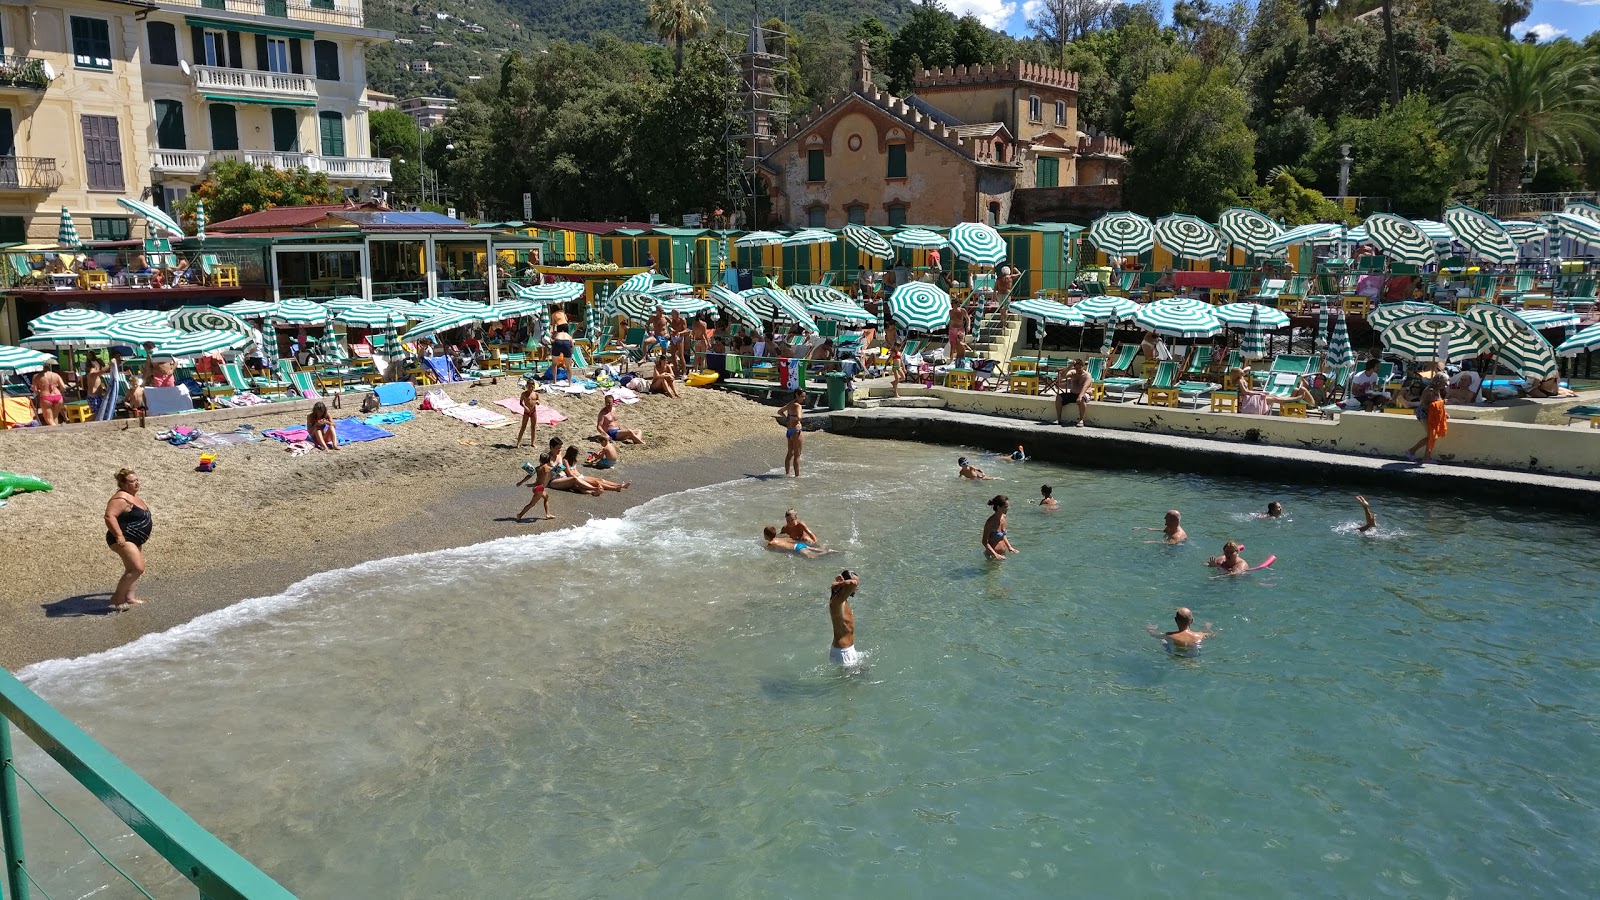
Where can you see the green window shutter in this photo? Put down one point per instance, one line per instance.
(285, 130)
(332, 133)
(279, 8)
(897, 161)
(627, 253)
(815, 166)
(224, 127)
(1047, 172)
(169, 125)
(897, 214)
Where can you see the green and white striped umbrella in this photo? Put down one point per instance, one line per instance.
(1583, 208)
(332, 348)
(444, 321)
(1122, 234)
(1485, 236)
(411, 309)
(199, 343)
(806, 237)
(1356, 235)
(637, 283)
(1254, 343)
(636, 305)
(868, 241)
(978, 244)
(436, 305)
(1179, 317)
(1585, 341)
(1514, 342)
(1339, 352)
(1524, 232)
(759, 239)
(341, 303)
(919, 306)
(1400, 240)
(554, 292)
(918, 239)
(297, 312)
(1188, 237)
(71, 317)
(156, 221)
(137, 334)
(1315, 233)
(371, 316)
(1106, 308)
(1438, 232)
(1546, 319)
(200, 219)
(735, 307)
(777, 304)
(139, 317)
(1582, 229)
(517, 308)
(23, 361)
(67, 233)
(68, 336)
(831, 304)
(1048, 311)
(1250, 230)
(1446, 338)
(639, 305)
(249, 309)
(1384, 313)
(1238, 315)
(670, 289)
(206, 318)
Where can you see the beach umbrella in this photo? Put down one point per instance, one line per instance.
(156, 221)
(206, 318)
(1122, 234)
(1525, 232)
(1250, 230)
(918, 239)
(1238, 315)
(1188, 237)
(340, 303)
(759, 239)
(1585, 341)
(1356, 235)
(777, 304)
(638, 305)
(1179, 317)
(67, 233)
(919, 306)
(68, 337)
(1582, 208)
(806, 237)
(1047, 311)
(639, 281)
(71, 317)
(1106, 308)
(1109, 335)
(371, 316)
(1431, 336)
(1384, 313)
(868, 241)
(198, 343)
(1438, 232)
(331, 347)
(554, 292)
(635, 304)
(440, 323)
(1480, 232)
(1254, 344)
(517, 308)
(1544, 319)
(1515, 342)
(139, 317)
(670, 288)
(831, 304)
(434, 306)
(411, 309)
(1339, 352)
(22, 360)
(1316, 233)
(1582, 229)
(735, 307)
(1400, 240)
(978, 244)
(249, 309)
(137, 334)
(200, 219)
(297, 312)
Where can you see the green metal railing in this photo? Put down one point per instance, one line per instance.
(212, 866)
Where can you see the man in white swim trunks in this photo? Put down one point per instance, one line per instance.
(843, 650)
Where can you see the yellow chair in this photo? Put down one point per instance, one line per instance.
(1594, 421)
(227, 276)
(1538, 303)
(79, 411)
(1290, 305)
(1292, 410)
(1223, 295)
(1225, 401)
(1023, 383)
(93, 279)
(1355, 304)
(960, 379)
(1397, 410)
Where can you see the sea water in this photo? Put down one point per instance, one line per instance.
(644, 706)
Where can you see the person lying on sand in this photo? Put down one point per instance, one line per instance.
(567, 478)
(782, 543)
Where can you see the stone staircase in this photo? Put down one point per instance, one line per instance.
(998, 337)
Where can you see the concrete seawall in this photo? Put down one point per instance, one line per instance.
(1107, 448)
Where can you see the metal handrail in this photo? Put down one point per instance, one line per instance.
(29, 173)
(212, 866)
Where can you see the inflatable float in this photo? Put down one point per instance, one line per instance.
(12, 483)
(700, 377)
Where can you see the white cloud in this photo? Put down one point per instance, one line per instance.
(1541, 31)
(1583, 2)
(992, 13)
(1032, 8)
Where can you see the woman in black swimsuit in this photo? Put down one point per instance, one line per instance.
(127, 528)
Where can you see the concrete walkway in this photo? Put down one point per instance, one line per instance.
(1107, 448)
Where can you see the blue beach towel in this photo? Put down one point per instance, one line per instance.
(390, 418)
(355, 431)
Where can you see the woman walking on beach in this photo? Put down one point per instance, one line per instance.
(530, 414)
(1435, 421)
(128, 526)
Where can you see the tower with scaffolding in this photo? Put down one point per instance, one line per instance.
(763, 113)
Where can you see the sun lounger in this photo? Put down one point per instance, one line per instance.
(1281, 385)
(303, 386)
(1271, 289)
(1200, 360)
(1101, 384)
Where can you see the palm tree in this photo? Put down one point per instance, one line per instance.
(678, 21)
(1514, 102)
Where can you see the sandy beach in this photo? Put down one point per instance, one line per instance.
(264, 519)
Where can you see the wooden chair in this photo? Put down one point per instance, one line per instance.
(959, 379)
(1225, 401)
(93, 279)
(1023, 383)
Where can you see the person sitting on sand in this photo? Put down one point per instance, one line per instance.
(1171, 529)
(1185, 638)
(970, 471)
(320, 426)
(1274, 511)
(995, 542)
(796, 529)
(1548, 388)
(569, 466)
(1371, 524)
(1230, 562)
(607, 424)
(661, 380)
(541, 487)
(606, 456)
(1047, 498)
(782, 543)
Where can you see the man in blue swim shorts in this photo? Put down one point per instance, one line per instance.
(843, 650)
(607, 424)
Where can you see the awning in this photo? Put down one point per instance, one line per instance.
(246, 27)
(229, 98)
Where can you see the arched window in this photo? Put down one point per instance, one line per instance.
(1035, 109)
(1061, 112)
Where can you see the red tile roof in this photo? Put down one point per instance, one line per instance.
(289, 216)
(594, 227)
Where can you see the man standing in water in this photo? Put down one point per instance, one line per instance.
(1172, 531)
(789, 418)
(1185, 638)
(843, 650)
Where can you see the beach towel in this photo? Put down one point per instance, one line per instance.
(290, 435)
(1438, 423)
(390, 418)
(442, 368)
(355, 431)
(477, 415)
(545, 416)
(113, 394)
(208, 441)
(623, 395)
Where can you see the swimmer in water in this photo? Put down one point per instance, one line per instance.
(797, 530)
(782, 543)
(1372, 518)
(995, 543)
(1274, 511)
(1230, 562)
(970, 471)
(1047, 498)
(1019, 455)
(1185, 638)
(1172, 530)
(843, 649)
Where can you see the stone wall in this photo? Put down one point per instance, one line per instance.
(1078, 204)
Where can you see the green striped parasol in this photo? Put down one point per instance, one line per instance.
(868, 241)
(555, 292)
(637, 305)
(444, 321)
(67, 233)
(670, 289)
(759, 239)
(517, 308)
(1385, 313)
(639, 281)
(139, 317)
(1582, 208)
(1315, 233)
(339, 303)
(1545, 319)
(1122, 234)
(23, 361)
(1515, 342)
(1579, 228)
(412, 310)
(1188, 237)
(137, 334)
(297, 312)
(1238, 315)
(68, 336)
(72, 317)
(1250, 230)
(778, 305)
(199, 343)
(919, 306)
(1339, 352)
(1048, 311)
(1585, 341)
(1254, 343)
(1446, 338)
(436, 305)
(1179, 317)
(1524, 232)
(371, 315)
(918, 239)
(806, 237)
(206, 318)
(1479, 231)
(156, 221)
(200, 219)
(1106, 308)
(249, 309)
(831, 304)
(978, 244)
(1438, 232)
(1400, 239)
(735, 307)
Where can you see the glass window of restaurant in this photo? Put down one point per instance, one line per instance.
(399, 269)
(319, 274)
(460, 266)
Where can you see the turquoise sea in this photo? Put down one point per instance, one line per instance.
(644, 706)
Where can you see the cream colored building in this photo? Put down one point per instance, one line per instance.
(101, 99)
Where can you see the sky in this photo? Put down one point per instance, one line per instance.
(1550, 19)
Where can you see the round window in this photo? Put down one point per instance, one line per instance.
(854, 142)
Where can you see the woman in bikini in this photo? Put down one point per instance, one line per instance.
(128, 526)
(320, 426)
(995, 543)
(789, 418)
(571, 480)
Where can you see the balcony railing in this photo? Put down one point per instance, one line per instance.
(29, 173)
(270, 85)
(338, 168)
(1511, 206)
(323, 12)
(24, 72)
(178, 162)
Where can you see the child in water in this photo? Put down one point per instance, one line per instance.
(1046, 499)
(970, 471)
